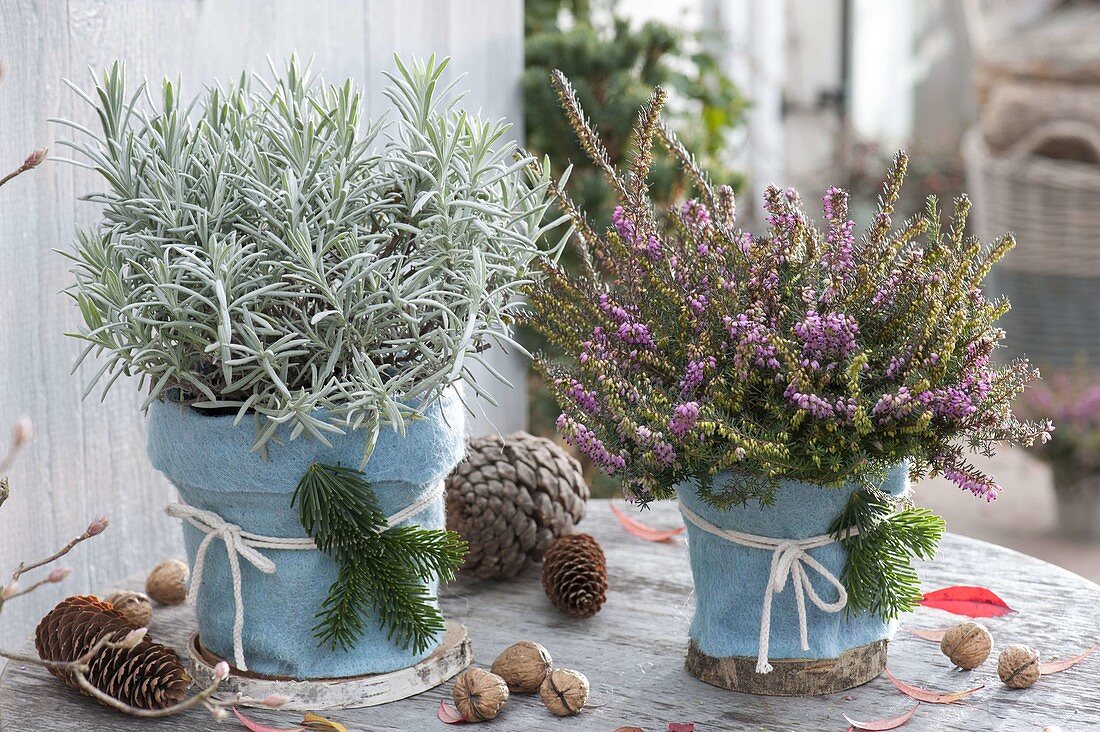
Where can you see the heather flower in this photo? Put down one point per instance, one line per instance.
(590, 445)
(695, 373)
(978, 484)
(815, 355)
(684, 418)
(831, 337)
(664, 453)
(585, 399)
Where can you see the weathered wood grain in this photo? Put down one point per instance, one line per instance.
(790, 676)
(89, 457)
(453, 656)
(633, 654)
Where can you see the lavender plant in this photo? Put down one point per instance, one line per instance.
(695, 352)
(269, 254)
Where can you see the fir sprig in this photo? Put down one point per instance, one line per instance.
(883, 536)
(382, 570)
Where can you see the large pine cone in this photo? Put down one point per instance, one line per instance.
(148, 676)
(511, 498)
(574, 575)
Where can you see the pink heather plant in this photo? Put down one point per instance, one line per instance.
(691, 349)
(1073, 400)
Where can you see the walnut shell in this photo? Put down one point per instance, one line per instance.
(136, 607)
(167, 583)
(564, 691)
(479, 695)
(1018, 666)
(967, 645)
(523, 666)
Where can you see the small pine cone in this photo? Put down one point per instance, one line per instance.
(147, 676)
(574, 575)
(511, 498)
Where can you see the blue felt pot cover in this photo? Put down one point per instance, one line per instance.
(730, 579)
(211, 463)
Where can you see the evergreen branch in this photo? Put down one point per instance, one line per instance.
(888, 536)
(382, 571)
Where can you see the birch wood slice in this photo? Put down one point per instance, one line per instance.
(790, 676)
(454, 654)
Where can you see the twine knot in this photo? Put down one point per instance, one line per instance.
(790, 561)
(240, 543)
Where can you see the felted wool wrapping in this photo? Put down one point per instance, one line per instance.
(730, 579)
(211, 463)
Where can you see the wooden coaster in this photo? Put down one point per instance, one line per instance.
(453, 655)
(790, 677)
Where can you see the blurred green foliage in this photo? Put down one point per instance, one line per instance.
(614, 65)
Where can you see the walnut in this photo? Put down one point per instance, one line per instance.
(1018, 666)
(564, 691)
(167, 583)
(135, 606)
(523, 666)
(479, 695)
(967, 645)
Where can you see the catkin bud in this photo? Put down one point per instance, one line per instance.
(23, 432)
(134, 638)
(96, 527)
(59, 574)
(35, 158)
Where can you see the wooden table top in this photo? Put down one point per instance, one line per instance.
(633, 654)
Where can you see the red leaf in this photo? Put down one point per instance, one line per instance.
(257, 727)
(924, 695)
(927, 634)
(640, 530)
(681, 727)
(973, 602)
(1053, 667)
(883, 724)
(449, 715)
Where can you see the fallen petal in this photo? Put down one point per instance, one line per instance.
(924, 695)
(448, 714)
(1053, 667)
(883, 724)
(257, 727)
(640, 530)
(927, 634)
(973, 602)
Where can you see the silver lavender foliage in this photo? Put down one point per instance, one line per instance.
(262, 249)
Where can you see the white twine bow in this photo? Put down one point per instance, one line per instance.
(790, 560)
(240, 543)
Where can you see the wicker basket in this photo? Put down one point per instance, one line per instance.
(1052, 206)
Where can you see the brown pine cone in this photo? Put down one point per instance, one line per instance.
(147, 676)
(510, 498)
(574, 575)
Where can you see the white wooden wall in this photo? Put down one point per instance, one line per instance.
(89, 457)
